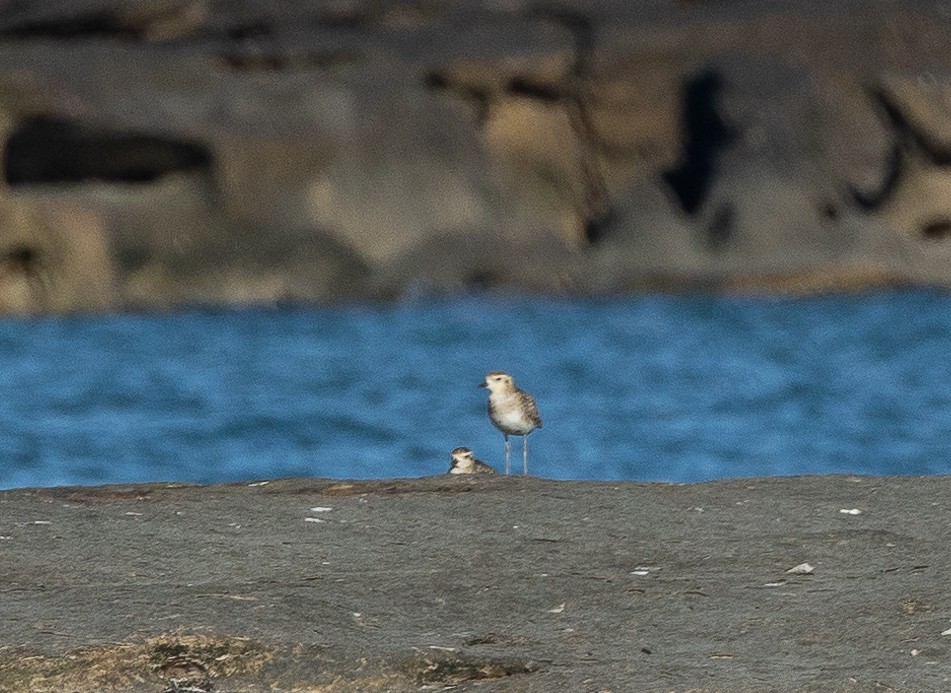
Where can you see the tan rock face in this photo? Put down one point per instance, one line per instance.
(211, 153)
(53, 258)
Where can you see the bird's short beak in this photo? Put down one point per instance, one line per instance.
(482, 384)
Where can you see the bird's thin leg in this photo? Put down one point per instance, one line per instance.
(508, 453)
(524, 455)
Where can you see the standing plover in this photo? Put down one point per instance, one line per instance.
(513, 412)
(464, 463)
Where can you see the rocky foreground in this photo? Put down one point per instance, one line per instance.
(158, 154)
(488, 584)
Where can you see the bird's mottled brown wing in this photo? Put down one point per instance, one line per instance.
(483, 468)
(530, 408)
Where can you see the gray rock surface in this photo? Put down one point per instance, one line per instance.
(368, 149)
(488, 584)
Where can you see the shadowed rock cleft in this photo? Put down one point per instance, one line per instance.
(720, 228)
(520, 86)
(704, 136)
(52, 150)
(937, 230)
(21, 260)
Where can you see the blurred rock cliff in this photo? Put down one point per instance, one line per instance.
(159, 153)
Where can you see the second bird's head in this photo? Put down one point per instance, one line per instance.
(497, 381)
(462, 460)
(461, 454)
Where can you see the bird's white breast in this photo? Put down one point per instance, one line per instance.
(508, 415)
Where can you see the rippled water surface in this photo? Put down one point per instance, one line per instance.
(678, 388)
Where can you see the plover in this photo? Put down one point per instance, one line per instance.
(463, 462)
(512, 411)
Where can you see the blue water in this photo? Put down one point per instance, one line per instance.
(677, 388)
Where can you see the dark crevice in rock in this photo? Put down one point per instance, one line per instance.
(520, 86)
(894, 168)
(435, 80)
(92, 25)
(597, 226)
(937, 230)
(254, 31)
(49, 150)
(258, 47)
(252, 48)
(910, 137)
(262, 58)
(704, 135)
(721, 227)
(829, 211)
(132, 258)
(20, 259)
(909, 144)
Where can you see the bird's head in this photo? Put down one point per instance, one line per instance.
(497, 381)
(461, 458)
